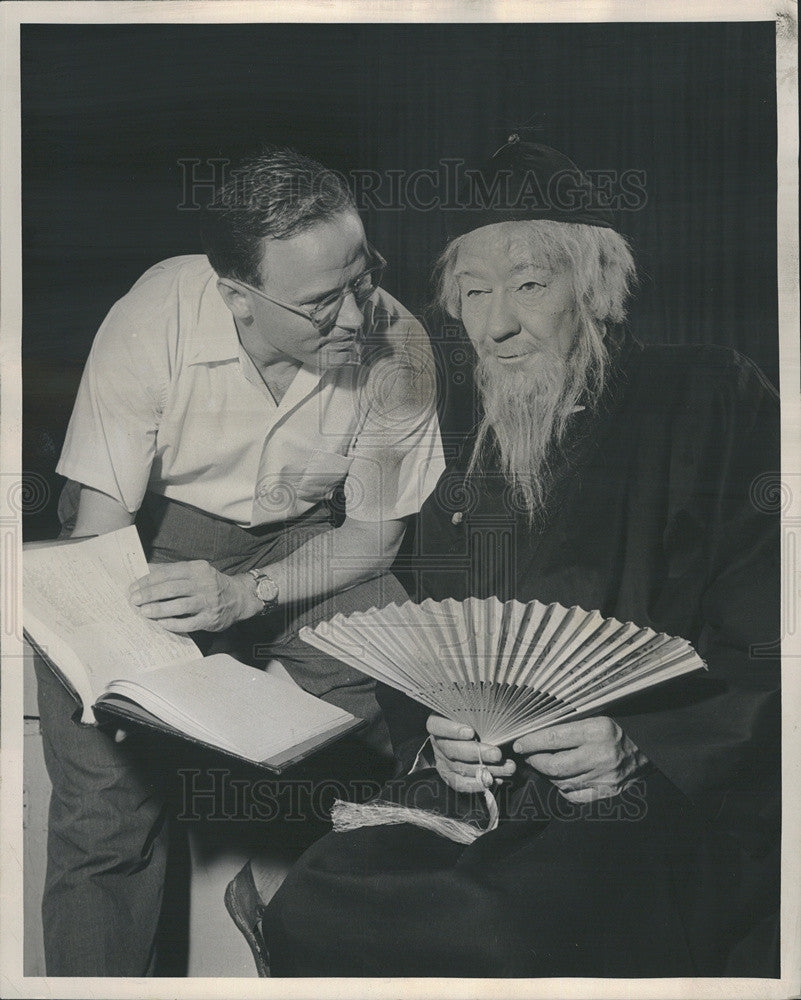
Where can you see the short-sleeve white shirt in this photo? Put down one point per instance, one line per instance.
(170, 402)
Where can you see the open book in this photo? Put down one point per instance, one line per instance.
(76, 614)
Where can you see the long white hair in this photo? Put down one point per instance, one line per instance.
(526, 412)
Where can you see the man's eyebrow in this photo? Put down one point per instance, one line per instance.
(467, 273)
(312, 297)
(528, 265)
(316, 296)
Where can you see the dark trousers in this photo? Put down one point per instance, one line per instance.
(634, 886)
(110, 806)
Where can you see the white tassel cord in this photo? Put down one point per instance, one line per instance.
(489, 798)
(352, 815)
(419, 754)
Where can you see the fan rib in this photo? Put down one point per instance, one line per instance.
(503, 668)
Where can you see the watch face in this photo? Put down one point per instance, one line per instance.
(266, 589)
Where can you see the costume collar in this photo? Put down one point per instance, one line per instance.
(623, 349)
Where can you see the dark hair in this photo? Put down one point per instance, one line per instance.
(276, 193)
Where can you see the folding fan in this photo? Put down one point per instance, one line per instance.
(504, 669)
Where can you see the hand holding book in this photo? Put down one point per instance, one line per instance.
(193, 596)
(78, 616)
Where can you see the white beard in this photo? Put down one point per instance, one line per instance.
(526, 413)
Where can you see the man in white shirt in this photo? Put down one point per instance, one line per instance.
(227, 405)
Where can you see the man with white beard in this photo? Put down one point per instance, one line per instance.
(532, 374)
(610, 475)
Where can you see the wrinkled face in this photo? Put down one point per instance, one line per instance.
(303, 271)
(513, 307)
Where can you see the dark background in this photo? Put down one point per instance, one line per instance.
(108, 111)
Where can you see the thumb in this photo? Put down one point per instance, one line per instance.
(120, 735)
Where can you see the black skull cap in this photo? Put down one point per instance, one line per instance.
(526, 181)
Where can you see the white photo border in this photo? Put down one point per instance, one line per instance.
(12, 981)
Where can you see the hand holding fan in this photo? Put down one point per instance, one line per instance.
(503, 669)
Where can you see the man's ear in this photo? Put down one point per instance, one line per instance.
(236, 298)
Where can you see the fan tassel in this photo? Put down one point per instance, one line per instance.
(353, 815)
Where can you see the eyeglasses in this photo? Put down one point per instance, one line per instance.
(324, 314)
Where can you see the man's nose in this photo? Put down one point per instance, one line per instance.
(350, 316)
(502, 321)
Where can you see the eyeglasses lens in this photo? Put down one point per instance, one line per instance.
(362, 288)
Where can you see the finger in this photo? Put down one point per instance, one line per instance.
(565, 763)
(505, 770)
(579, 795)
(120, 735)
(470, 750)
(484, 777)
(462, 784)
(161, 573)
(194, 623)
(165, 571)
(170, 609)
(164, 590)
(561, 737)
(438, 726)
(474, 781)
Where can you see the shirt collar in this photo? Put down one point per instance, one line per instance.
(215, 337)
(303, 384)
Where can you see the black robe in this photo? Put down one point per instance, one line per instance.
(665, 512)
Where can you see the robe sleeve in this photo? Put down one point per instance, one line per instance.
(720, 743)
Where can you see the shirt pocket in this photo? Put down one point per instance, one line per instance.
(324, 471)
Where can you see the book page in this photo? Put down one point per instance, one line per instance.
(78, 592)
(247, 711)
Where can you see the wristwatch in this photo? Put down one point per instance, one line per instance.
(266, 590)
